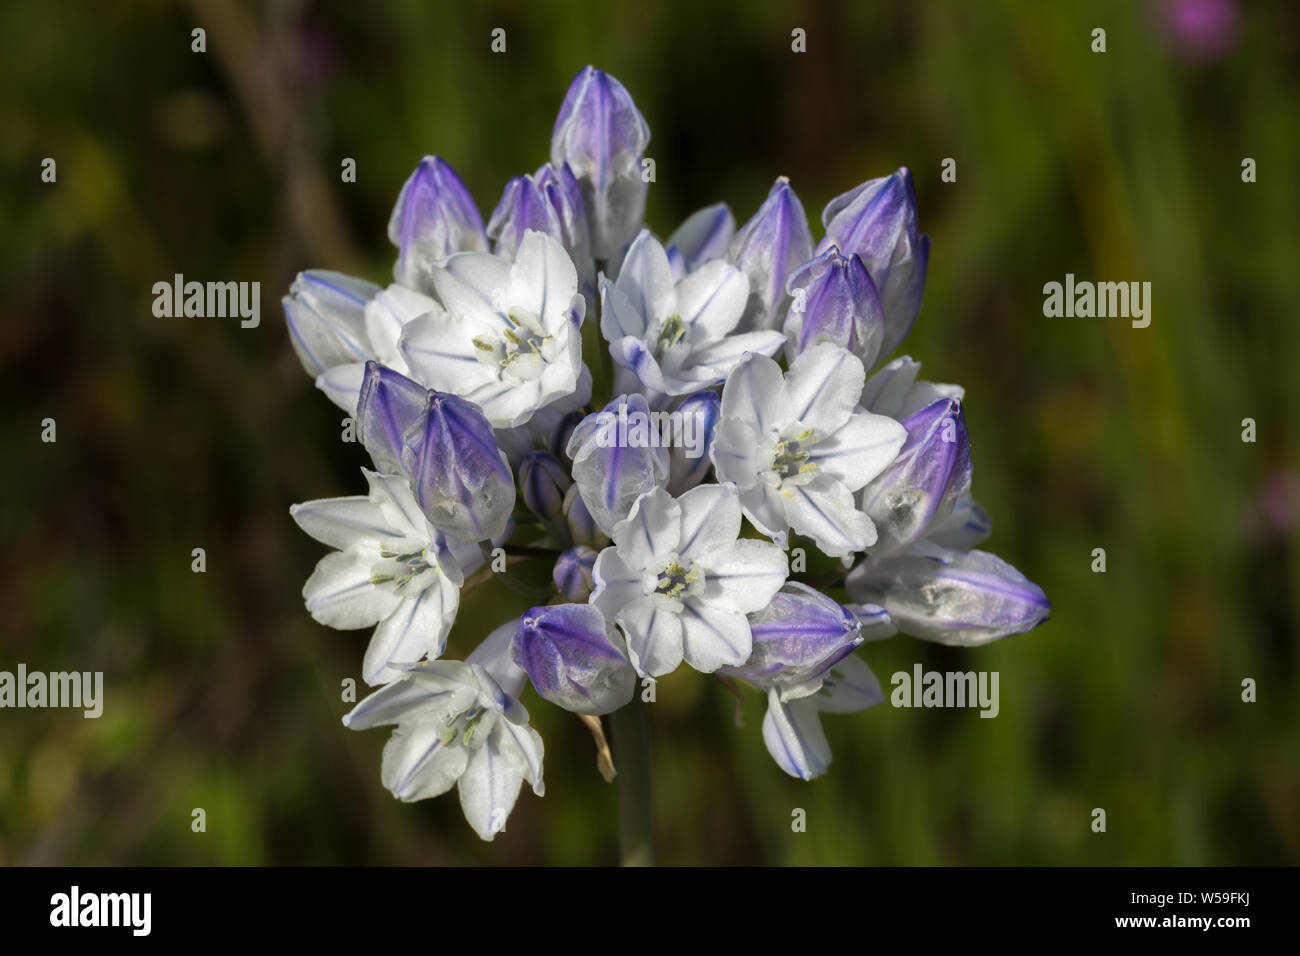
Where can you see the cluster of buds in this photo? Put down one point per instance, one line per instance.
(467, 380)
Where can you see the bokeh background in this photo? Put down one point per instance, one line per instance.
(222, 693)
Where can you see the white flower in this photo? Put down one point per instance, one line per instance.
(391, 568)
(509, 340)
(386, 314)
(798, 447)
(456, 725)
(679, 582)
(675, 339)
(792, 727)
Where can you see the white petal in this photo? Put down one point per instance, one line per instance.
(416, 765)
(342, 385)
(712, 364)
(823, 386)
(415, 630)
(543, 280)
(522, 746)
(339, 593)
(618, 316)
(865, 446)
(711, 301)
(710, 519)
(388, 313)
(884, 392)
(794, 737)
(421, 696)
(646, 279)
(713, 638)
(439, 348)
(473, 284)
(343, 522)
(744, 575)
(654, 637)
(735, 452)
(634, 355)
(616, 585)
(753, 394)
(392, 495)
(825, 511)
(488, 789)
(651, 529)
(765, 509)
(849, 687)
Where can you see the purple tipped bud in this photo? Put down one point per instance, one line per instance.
(434, 217)
(766, 249)
(688, 458)
(800, 636)
(573, 657)
(543, 482)
(612, 465)
(951, 597)
(878, 221)
(388, 413)
(832, 299)
(932, 470)
(601, 135)
(572, 573)
(326, 316)
(703, 237)
(550, 202)
(461, 480)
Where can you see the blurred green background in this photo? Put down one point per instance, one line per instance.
(222, 693)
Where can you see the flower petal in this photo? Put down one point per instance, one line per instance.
(793, 733)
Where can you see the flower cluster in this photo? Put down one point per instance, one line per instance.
(467, 382)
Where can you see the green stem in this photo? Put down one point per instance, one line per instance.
(631, 730)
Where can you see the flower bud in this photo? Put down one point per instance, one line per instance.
(832, 299)
(573, 658)
(611, 467)
(766, 249)
(326, 315)
(462, 481)
(388, 411)
(798, 637)
(932, 470)
(572, 572)
(549, 201)
(582, 526)
(434, 216)
(688, 457)
(967, 526)
(951, 597)
(601, 135)
(878, 221)
(543, 482)
(703, 237)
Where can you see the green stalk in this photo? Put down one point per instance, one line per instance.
(636, 831)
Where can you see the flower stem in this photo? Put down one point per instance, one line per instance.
(631, 730)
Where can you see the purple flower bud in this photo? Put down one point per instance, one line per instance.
(388, 412)
(462, 481)
(543, 482)
(434, 217)
(573, 658)
(601, 135)
(612, 465)
(798, 637)
(444, 446)
(766, 249)
(967, 526)
(932, 470)
(878, 221)
(550, 201)
(572, 572)
(326, 315)
(688, 458)
(951, 597)
(832, 299)
(703, 237)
